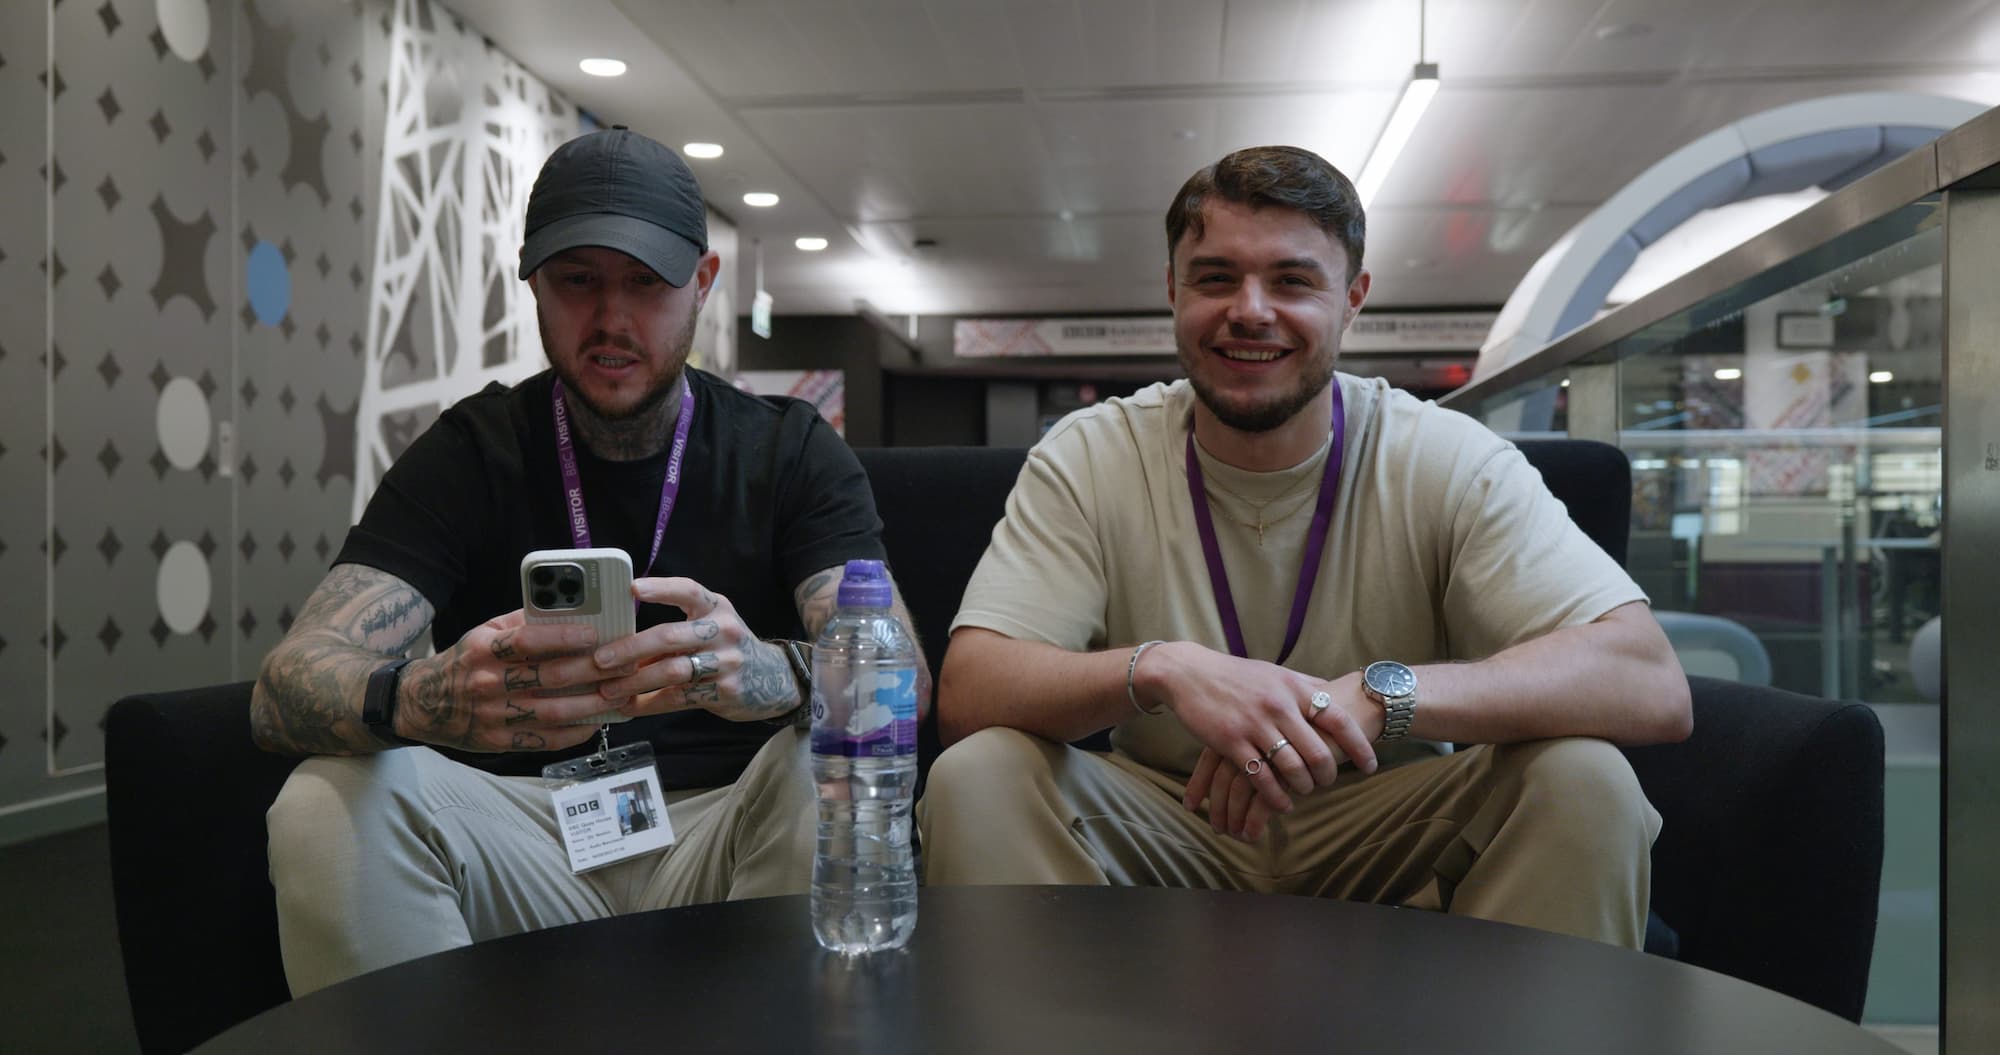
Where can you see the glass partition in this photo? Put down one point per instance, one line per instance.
(1787, 475)
(1782, 409)
(1787, 468)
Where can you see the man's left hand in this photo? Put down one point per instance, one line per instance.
(711, 661)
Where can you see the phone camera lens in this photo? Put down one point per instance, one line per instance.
(542, 576)
(545, 599)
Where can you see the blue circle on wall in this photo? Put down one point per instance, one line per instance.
(269, 284)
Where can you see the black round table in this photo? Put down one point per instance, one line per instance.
(1053, 969)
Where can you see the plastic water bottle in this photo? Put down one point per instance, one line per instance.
(864, 744)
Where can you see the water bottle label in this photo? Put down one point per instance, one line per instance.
(881, 723)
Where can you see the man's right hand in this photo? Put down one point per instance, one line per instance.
(485, 692)
(1239, 708)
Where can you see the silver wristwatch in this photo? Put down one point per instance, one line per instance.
(1394, 686)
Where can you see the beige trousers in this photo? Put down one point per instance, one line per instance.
(384, 858)
(1553, 834)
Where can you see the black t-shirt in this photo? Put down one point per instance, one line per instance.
(769, 495)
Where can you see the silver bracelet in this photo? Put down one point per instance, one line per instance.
(1131, 668)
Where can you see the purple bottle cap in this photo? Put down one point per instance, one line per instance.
(865, 584)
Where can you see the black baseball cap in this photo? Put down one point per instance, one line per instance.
(618, 189)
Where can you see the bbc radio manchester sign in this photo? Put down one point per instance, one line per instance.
(1453, 331)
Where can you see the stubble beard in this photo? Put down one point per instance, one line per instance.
(635, 432)
(1270, 413)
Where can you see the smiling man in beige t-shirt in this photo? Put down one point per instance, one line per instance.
(1207, 567)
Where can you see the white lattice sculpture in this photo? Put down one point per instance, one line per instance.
(465, 132)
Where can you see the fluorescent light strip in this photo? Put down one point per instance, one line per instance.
(1416, 98)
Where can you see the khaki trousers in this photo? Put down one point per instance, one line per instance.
(1553, 834)
(384, 858)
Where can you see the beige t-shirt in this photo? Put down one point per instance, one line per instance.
(1445, 545)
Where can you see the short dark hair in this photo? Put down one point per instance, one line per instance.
(1286, 177)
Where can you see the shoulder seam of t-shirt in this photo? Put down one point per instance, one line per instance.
(1116, 406)
(1112, 418)
(775, 405)
(795, 461)
(494, 390)
(1477, 474)
(1388, 396)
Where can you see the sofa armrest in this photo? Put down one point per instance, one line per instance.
(186, 791)
(1769, 863)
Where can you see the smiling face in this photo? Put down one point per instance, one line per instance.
(616, 333)
(1261, 296)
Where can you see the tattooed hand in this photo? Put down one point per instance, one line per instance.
(491, 690)
(711, 661)
(482, 694)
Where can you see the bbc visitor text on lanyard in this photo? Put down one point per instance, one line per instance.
(609, 806)
(572, 481)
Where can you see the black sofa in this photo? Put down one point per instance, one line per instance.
(1768, 867)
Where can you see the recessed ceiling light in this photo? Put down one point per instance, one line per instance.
(1881, 377)
(602, 67)
(1728, 373)
(760, 199)
(810, 245)
(702, 150)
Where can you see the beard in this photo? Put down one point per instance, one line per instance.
(1269, 413)
(649, 402)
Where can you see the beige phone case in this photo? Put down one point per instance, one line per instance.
(602, 600)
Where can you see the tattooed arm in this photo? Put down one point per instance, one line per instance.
(308, 695)
(478, 695)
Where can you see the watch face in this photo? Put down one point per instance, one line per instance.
(1390, 679)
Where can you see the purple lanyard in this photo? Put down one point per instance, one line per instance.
(670, 488)
(1218, 577)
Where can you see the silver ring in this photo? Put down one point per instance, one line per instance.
(1320, 701)
(1283, 742)
(702, 665)
(1253, 767)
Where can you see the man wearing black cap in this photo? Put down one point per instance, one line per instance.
(737, 512)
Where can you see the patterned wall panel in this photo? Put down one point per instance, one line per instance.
(213, 180)
(23, 387)
(141, 352)
(309, 114)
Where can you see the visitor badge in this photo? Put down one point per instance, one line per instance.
(609, 807)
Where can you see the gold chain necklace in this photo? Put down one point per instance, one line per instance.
(1305, 500)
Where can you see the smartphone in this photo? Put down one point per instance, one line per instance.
(592, 587)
